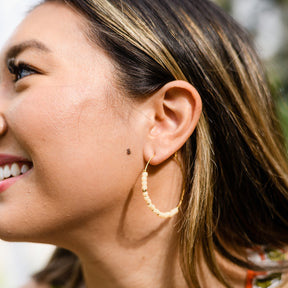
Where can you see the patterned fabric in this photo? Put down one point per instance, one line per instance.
(264, 256)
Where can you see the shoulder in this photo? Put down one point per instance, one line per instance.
(33, 284)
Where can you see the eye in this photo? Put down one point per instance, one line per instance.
(20, 70)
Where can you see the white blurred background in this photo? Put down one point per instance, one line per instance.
(18, 260)
(11, 14)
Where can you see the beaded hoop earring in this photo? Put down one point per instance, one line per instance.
(147, 199)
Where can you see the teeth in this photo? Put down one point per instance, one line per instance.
(12, 170)
(15, 170)
(24, 169)
(1, 174)
(7, 172)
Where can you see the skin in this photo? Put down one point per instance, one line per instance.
(76, 125)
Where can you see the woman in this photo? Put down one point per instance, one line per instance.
(112, 106)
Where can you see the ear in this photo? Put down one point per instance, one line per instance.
(177, 107)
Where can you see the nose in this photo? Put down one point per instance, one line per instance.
(3, 94)
(3, 125)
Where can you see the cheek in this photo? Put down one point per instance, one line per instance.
(78, 144)
(62, 116)
(74, 141)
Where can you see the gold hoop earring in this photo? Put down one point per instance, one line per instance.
(148, 200)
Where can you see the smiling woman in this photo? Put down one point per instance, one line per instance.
(109, 102)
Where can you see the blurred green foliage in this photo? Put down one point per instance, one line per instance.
(276, 65)
(282, 108)
(281, 2)
(225, 4)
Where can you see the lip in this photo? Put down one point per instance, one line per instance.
(5, 184)
(8, 159)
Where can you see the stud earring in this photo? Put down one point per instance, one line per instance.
(148, 200)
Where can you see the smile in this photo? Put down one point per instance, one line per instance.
(13, 170)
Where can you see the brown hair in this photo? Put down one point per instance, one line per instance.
(235, 161)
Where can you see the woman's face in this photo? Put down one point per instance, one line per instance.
(66, 119)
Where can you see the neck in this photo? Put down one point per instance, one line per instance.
(149, 260)
(127, 245)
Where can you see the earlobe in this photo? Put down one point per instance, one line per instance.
(177, 109)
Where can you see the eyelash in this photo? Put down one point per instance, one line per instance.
(20, 70)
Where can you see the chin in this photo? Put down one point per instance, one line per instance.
(22, 234)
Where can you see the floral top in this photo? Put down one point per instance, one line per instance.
(271, 257)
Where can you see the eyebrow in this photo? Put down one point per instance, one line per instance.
(15, 50)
